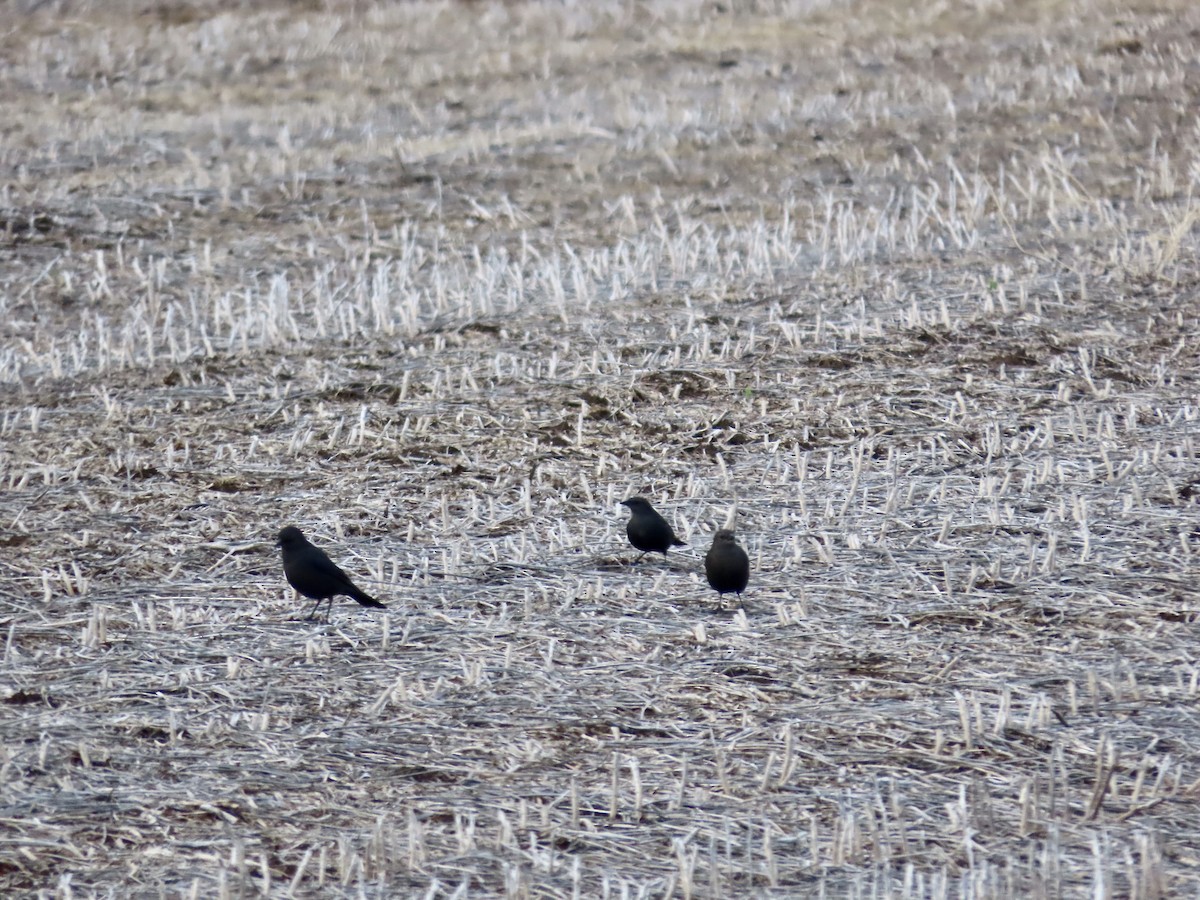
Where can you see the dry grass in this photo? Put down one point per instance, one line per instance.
(909, 294)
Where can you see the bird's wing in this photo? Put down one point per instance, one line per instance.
(327, 567)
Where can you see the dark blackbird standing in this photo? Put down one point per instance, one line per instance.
(647, 530)
(726, 565)
(314, 574)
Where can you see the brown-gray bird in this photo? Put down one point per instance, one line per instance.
(314, 574)
(726, 565)
(647, 530)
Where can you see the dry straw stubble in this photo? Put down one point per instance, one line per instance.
(913, 289)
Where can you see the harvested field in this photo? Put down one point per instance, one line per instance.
(908, 293)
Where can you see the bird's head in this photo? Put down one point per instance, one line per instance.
(289, 537)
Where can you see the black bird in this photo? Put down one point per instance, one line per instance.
(314, 574)
(726, 565)
(647, 530)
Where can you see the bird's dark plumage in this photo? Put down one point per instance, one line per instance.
(314, 574)
(647, 530)
(726, 565)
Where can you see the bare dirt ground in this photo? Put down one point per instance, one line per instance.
(906, 291)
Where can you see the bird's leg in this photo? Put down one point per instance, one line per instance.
(312, 612)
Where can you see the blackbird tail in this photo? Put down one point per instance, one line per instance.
(366, 599)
